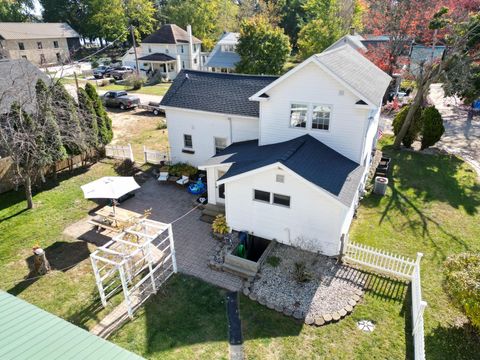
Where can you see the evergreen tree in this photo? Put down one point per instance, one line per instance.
(104, 123)
(432, 126)
(414, 129)
(88, 118)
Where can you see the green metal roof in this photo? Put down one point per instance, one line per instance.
(27, 332)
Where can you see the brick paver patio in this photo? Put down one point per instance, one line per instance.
(193, 240)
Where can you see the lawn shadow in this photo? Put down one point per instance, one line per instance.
(452, 342)
(385, 288)
(61, 255)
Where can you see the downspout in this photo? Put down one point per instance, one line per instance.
(231, 130)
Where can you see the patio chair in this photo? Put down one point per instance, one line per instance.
(183, 180)
(163, 176)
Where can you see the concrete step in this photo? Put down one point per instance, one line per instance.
(212, 213)
(232, 269)
(207, 218)
(216, 207)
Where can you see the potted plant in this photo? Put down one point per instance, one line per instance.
(220, 227)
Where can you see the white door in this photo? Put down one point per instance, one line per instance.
(220, 188)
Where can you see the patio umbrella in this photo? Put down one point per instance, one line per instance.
(109, 187)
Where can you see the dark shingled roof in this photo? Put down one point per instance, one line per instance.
(169, 34)
(216, 92)
(157, 57)
(305, 155)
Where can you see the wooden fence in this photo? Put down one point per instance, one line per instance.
(119, 152)
(155, 156)
(398, 266)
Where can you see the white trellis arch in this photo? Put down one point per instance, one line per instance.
(137, 261)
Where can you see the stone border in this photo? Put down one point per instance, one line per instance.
(300, 315)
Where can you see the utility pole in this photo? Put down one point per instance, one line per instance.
(134, 48)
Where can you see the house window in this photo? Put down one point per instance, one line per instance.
(42, 59)
(195, 60)
(24, 57)
(194, 47)
(181, 48)
(55, 44)
(171, 66)
(187, 141)
(59, 57)
(280, 178)
(183, 64)
(321, 117)
(220, 144)
(166, 51)
(39, 45)
(283, 200)
(149, 49)
(21, 46)
(298, 115)
(260, 195)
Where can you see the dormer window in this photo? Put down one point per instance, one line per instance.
(298, 115)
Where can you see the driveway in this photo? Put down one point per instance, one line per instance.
(192, 237)
(462, 133)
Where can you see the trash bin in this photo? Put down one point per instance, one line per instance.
(380, 187)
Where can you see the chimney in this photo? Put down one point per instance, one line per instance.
(190, 46)
(179, 64)
(352, 30)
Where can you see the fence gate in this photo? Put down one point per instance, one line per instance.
(156, 156)
(137, 262)
(119, 152)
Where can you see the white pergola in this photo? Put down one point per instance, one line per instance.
(137, 261)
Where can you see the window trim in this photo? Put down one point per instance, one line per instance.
(329, 119)
(185, 146)
(22, 47)
(262, 201)
(290, 115)
(287, 196)
(215, 143)
(39, 45)
(56, 44)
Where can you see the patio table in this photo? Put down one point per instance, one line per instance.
(119, 215)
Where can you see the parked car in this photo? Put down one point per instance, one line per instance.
(120, 99)
(121, 72)
(102, 71)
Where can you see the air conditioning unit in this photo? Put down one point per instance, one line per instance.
(381, 184)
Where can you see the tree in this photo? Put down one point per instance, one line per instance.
(293, 19)
(463, 50)
(462, 274)
(104, 123)
(207, 18)
(326, 22)
(413, 130)
(88, 118)
(16, 10)
(263, 49)
(432, 126)
(271, 10)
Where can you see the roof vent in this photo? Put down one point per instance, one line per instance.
(187, 77)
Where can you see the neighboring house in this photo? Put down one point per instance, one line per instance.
(29, 332)
(424, 53)
(354, 40)
(39, 43)
(224, 57)
(168, 50)
(289, 155)
(18, 80)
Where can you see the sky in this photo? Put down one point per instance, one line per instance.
(38, 9)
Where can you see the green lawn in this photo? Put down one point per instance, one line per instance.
(432, 206)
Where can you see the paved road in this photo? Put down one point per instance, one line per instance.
(462, 133)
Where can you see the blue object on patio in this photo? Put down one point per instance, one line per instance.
(197, 187)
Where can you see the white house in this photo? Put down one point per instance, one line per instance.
(224, 57)
(168, 50)
(287, 156)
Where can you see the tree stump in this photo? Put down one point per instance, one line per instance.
(40, 262)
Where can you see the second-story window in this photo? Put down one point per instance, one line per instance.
(321, 117)
(181, 48)
(187, 141)
(55, 44)
(21, 46)
(39, 45)
(298, 115)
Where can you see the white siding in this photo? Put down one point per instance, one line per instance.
(204, 127)
(313, 85)
(314, 219)
(370, 138)
(174, 50)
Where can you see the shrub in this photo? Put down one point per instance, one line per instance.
(125, 168)
(219, 225)
(180, 169)
(414, 128)
(134, 82)
(300, 273)
(162, 125)
(462, 275)
(432, 126)
(273, 261)
(94, 64)
(104, 82)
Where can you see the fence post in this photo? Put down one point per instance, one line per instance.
(131, 152)
(419, 257)
(145, 157)
(343, 246)
(421, 308)
(172, 248)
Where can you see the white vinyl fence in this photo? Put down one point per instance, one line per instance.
(398, 266)
(119, 152)
(155, 156)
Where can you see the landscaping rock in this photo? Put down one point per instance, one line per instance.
(279, 308)
(356, 298)
(336, 316)
(348, 309)
(270, 305)
(319, 321)
(327, 317)
(309, 320)
(246, 292)
(343, 313)
(252, 296)
(262, 300)
(298, 314)
(352, 302)
(287, 311)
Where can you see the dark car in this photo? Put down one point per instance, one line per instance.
(121, 72)
(120, 99)
(102, 71)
